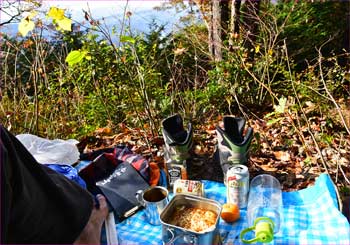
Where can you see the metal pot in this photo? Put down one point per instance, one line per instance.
(172, 234)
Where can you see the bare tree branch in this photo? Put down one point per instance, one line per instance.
(14, 9)
(11, 20)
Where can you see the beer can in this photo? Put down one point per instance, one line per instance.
(190, 187)
(237, 178)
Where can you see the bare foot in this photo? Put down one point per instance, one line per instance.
(92, 231)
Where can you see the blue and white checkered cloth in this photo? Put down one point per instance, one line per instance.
(311, 216)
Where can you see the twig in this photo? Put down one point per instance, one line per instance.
(344, 175)
(339, 167)
(327, 90)
(310, 132)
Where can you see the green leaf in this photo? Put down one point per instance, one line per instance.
(270, 114)
(127, 39)
(281, 105)
(75, 57)
(25, 26)
(65, 24)
(273, 121)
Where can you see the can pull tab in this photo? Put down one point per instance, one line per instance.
(263, 227)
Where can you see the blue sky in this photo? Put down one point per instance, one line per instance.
(112, 11)
(103, 8)
(98, 7)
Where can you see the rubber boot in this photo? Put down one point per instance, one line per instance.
(233, 146)
(178, 141)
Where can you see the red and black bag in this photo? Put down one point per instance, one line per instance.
(118, 174)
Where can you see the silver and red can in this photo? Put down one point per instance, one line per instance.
(237, 179)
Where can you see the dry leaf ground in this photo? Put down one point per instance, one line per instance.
(290, 155)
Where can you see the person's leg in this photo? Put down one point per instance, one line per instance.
(92, 231)
(39, 205)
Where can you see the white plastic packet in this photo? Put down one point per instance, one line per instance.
(47, 151)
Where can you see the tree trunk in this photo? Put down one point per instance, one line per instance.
(216, 29)
(210, 33)
(235, 21)
(206, 10)
(218, 21)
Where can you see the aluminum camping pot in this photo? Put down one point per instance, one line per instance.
(172, 234)
(154, 199)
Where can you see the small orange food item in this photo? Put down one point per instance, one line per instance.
(154, 174)
(230, 212)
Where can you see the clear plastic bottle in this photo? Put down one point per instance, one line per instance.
(264, 210)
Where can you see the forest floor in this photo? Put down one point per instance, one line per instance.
(291, 155)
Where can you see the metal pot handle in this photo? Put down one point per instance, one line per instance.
(139, 198)
(190, 239)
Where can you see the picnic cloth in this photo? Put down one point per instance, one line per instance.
(311, 216)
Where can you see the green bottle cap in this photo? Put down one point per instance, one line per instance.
(264, 231)
(263, 227)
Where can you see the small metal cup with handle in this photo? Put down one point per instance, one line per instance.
(154, 199)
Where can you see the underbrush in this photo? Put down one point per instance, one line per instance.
(299, 92)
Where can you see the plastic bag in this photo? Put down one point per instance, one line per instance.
(47, 151)
(68, 171)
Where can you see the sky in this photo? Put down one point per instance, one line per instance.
(112, 11)
(100, 7)
(104, 8)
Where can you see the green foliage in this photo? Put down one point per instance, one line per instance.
(275, 116)
(328, 139)
(310, 25)
(127, 39)
(78, 81)
(75, 57)
(255, 145)
(345, 190)
(308, 161)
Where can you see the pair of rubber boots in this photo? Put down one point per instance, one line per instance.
(233, 146)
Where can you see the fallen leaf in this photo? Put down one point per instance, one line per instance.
(104, 131)
(282, 156)
(179, 51)
(198, 149)
(268, 168)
